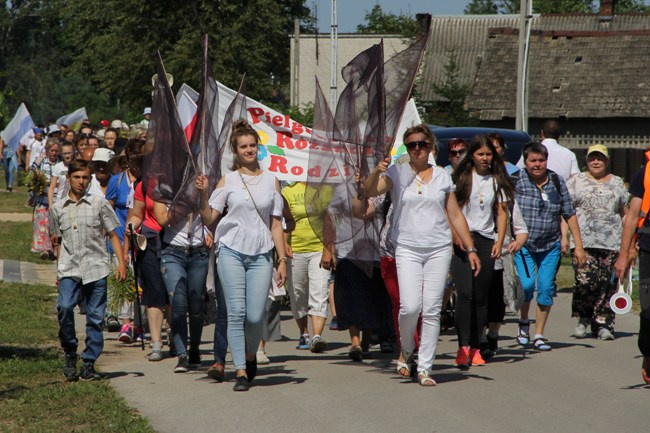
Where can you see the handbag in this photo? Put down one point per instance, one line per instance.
(621, 301)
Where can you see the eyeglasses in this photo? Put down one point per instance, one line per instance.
(413, 144)
(456, 152)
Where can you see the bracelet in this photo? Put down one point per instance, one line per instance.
(282, 259)
(471, 250)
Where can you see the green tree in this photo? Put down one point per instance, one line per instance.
(478, 7)
(56, 53)
(379, 22)
(481, 7)
(450, 109)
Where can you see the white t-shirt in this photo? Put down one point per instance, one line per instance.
(560, 159)
(35, 148)
(420, 220)
(177, 234)
(478, 210)
(243, 229)
(94, 188)
(60, 171)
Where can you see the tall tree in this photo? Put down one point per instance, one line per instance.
(481, 7)
(387, 23)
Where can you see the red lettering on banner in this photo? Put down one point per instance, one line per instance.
(314, 171)
(286, 121)
(297, 128)
(255, 113)
(301, 144)
(296, 170)
(277, 121)
(313, 145)
(332, 172)
(284, 139)
(278, 164)
(347, 170)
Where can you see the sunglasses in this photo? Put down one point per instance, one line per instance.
(456, 152)
(413, 144)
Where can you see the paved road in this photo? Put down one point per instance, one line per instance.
(580, 386)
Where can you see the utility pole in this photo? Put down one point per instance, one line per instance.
(295, 100)
(334, 36)
(525, 15)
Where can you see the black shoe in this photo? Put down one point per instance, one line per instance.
(195, 357)
(70, 366)
(183, 365)
(241, 384)
(88, 372)
(112, 324)
(251, 369)
(493, 344)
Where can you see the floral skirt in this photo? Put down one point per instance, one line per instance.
(41, 239)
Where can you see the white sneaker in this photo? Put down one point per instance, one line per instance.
(604, 334)
(580, 331)
(262, 359)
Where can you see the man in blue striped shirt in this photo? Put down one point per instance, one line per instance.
(543, 198)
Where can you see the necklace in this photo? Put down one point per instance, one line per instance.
(481, 185)
(420, 180)
(73, 218)
(246, 184)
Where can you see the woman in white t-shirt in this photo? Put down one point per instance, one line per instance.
(483, 192)
(245, 238)
(424, 207)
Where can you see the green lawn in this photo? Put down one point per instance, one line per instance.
(34, 396)
(16, 241)
(14, 201)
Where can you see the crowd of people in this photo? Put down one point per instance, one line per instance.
(481, 230)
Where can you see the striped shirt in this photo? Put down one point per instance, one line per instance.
(82, 226)
(541, 208)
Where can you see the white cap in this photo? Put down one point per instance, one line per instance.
(117, 124)
(103, 154)
(147, 111)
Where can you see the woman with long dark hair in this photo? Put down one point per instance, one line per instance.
(483, 190)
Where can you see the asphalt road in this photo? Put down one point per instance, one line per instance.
(580, 386)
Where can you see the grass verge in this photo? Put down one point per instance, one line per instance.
(13, 201)
(16, 241)
(34, 396)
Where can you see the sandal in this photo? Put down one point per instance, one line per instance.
(404, 367)
(542, 345)
(425, 380)
(355, 353)
(523, 336)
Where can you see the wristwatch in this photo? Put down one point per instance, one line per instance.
(471, 250)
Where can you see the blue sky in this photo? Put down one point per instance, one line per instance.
(352, 12)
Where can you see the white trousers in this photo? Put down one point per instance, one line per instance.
(308, 285)
(422, 274)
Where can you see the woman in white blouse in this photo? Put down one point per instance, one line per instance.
(424, 207)
(245, 238)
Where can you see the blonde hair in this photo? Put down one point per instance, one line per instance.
(422, 129)
(240, 128)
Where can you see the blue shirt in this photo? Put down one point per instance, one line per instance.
(541, 209)
(118, 191)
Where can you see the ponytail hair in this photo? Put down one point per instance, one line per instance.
(240, 128)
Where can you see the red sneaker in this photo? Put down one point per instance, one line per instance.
(462, 357)
(475, 357)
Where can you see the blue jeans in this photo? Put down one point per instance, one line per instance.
(94, 295)
(10, 161)
(246, 281)
(221, 324)
(184, 272)
(542, 268)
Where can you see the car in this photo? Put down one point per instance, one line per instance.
(515, 140)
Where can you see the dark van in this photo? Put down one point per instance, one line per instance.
(514, 140)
